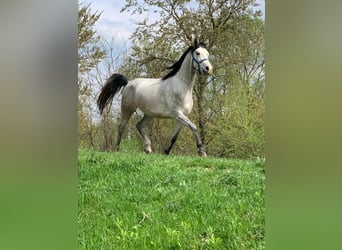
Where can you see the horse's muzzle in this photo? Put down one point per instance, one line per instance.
(209, 69)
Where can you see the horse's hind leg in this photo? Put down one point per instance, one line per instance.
(124, 120)
(122, 127)
(141, 129)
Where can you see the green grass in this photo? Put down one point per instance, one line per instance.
(138, 201)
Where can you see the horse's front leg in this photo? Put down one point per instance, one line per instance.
(183, 119)
(174, 137)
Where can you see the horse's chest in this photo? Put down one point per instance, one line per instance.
(184, 102)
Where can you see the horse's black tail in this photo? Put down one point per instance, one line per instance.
(112, 86)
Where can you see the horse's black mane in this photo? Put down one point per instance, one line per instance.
(177, 65)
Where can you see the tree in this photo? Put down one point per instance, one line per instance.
(235, 35)
(105, 124)
(89, 55)
(89, 50)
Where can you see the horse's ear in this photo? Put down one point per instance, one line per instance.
(206, 42)
(194, 41)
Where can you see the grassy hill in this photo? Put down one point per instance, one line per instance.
(138, 201)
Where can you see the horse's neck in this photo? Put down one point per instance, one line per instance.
(186, 74)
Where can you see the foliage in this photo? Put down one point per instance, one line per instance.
(89, 55)
(89, 51)
(138, 201)
(100, 131)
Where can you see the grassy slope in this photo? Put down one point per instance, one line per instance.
(138, 201)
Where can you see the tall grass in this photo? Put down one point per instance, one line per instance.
(138, 201)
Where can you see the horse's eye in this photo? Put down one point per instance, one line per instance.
(197, 53)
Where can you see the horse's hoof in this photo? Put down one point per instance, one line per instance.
(202, 153)
(148, 150)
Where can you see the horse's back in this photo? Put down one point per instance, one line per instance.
(144, 82)
(149, 96)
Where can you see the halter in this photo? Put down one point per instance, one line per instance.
(198, 62)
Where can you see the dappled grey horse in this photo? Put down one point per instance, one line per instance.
(167, 97)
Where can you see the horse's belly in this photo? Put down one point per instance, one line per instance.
(154, 110)
(154, 106)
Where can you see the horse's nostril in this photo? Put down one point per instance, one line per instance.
(207, 68)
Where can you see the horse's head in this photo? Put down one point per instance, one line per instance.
(200, 59)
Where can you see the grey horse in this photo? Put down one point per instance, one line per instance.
(167, 97)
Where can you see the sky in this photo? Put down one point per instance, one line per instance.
(112, 23)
